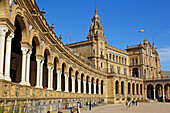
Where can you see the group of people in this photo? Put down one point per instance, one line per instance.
(133, 103)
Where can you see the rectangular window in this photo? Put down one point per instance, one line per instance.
(125, 71)
(118, 70)
(111, 69)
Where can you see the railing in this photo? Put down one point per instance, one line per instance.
(157, 78)
(133, 46)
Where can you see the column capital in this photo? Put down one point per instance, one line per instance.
(38, 60)
(3, 30)
(9, 38)
(49, 67)
(65, 75)
(58, 69)
(52, 68)
(29, 53)
(72, 77)
(24, 50)
(59, 72)
(42, 62)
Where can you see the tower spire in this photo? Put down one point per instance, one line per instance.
(95, 8)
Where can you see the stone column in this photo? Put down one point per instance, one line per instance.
(145, 94)
(94, 88)
(89, 87)
(66, 83)
(79, 86)
(84, 82)
(73, 84)
(8, 57)
(58, 80)
(49, 77)
(131, 92)
(139, 91)
(99, 89)
(3, 31)
(168, 93)
(24, 52)
(51, 85)
(163, 94)
(154, 94)
(135, 91)
(28, 68)
(41, 74)
(38, 72)
(131, 72)
(119, 89)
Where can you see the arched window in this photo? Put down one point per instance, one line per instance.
(132, 61)
(122, 60)
(117, 87)
(125, 60)
(110, 56)
(116, 58)
(136, 61)
(119, 59)
(113, 57)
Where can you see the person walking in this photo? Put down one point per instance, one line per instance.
(78, 107)
(90, 105)
(133, 102)
(129, 103)
(136, 102)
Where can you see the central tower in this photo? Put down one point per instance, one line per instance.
(98, 42)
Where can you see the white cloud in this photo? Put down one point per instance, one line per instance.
(164, 54)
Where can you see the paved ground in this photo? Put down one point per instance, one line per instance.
(156, 107)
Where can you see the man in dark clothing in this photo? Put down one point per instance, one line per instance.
(133, 102)
(136, 102)
(90, 105)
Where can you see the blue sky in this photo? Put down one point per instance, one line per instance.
(121, 20)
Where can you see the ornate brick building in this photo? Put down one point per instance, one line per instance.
(36, 65)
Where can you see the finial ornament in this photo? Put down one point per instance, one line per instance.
(52, 27)
(60, 37)
(43, 12)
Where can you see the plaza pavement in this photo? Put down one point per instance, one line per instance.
(154, 107)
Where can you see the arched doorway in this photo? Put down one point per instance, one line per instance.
(82, 85)
(122, 88)
(117, 87)
(76, 81)
(137, 89)
(63, 77)
(45, 69)
(56, 63)
(150, 93)
(141, 89)
(101, 86)
(167, 92)
(87, 84)
(70, 81)
(16, 53)
(159, 92)
(33, 63)
(92, 85)
(128, 88)
(133, 89)
(97, 86)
